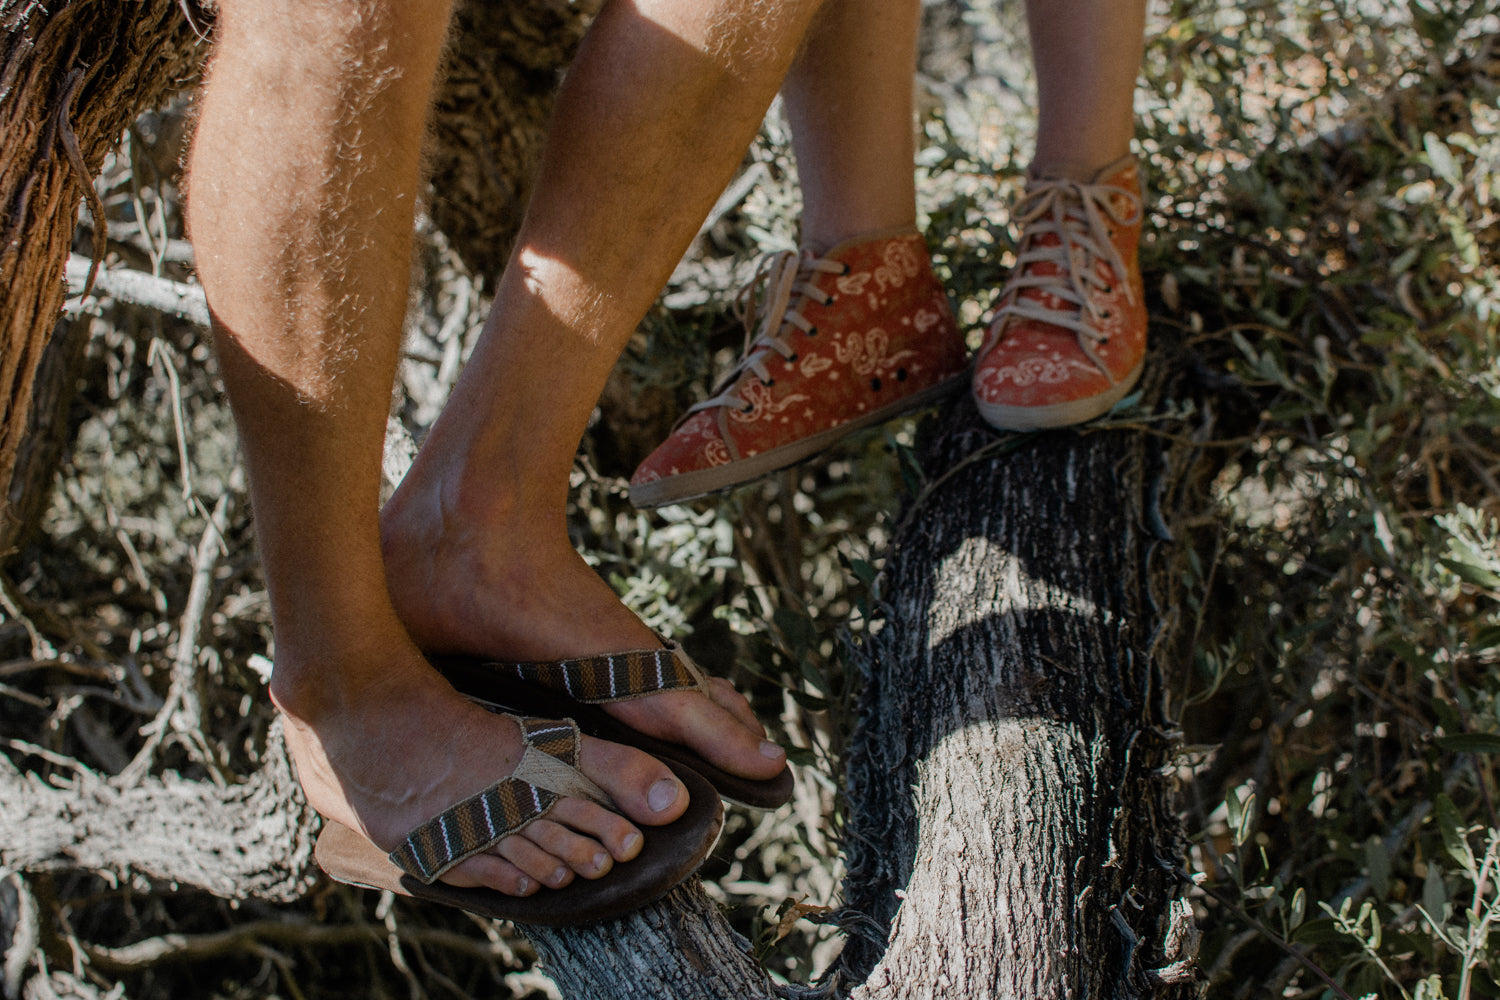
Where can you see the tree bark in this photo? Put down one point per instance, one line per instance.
(250, 840)
(72, 76)
(1013, 832)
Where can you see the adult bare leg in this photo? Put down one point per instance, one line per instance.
(303, 180)
(654, 117)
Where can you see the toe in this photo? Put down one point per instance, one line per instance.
(727, 698)
(644, 788)
(585, 855)
(535, 862)
(710, 729)
(602, 827)
(492, 872)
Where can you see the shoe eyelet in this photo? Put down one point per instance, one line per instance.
(875, 384)
(792, 359)
(900, 374)
(828, 300)
(769, 382)
(845, 269)
(812, 331)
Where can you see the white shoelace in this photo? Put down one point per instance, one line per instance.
(1081, 216)
(788, 286)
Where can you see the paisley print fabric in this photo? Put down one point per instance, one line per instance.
(1069, 335)
(838, 338)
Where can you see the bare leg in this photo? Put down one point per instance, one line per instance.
(849, 99)
(1088, 55)
(475, 537)
(304, 175)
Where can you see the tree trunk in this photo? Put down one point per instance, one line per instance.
(1013, 832)
(72, 76)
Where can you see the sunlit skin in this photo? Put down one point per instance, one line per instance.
(303, 183)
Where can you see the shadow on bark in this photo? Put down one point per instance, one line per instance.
(1012, 829)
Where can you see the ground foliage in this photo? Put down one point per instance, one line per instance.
(1321, 255)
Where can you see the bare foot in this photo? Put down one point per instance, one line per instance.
(512, 587)
(385, 744)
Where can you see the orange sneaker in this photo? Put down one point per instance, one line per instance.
(846, 340)
(1069, 338)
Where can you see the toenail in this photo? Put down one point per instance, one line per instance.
(559, 876)
(771, 750)
(523, 885)
(663, 794)
(629, 844)
(600, 860)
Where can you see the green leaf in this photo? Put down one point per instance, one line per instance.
(1322, 931)
(811, 702)
(1378, 864)
(911, 469)
(1468, 572)
(1435, 895)
(1241, 814)
(1441, 158)
(801, 756)
(796, 628)
(1298, 910)
(1450, 825)
(1470, 742)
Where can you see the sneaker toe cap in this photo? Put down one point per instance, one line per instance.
(695, 445)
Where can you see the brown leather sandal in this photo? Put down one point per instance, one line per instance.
(576, 687)
(547, 773)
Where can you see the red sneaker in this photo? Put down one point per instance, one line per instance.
(846, 340)
(1069, 338)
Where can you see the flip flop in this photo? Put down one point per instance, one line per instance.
(576, 688)
(545, 774)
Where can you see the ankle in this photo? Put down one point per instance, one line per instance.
(327, 679)
(1081, 165)
(820, 237)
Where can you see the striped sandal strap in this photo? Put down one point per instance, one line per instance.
(546, 773)
(612, 676)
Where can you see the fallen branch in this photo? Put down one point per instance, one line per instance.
(138, 288)
(251, 840)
